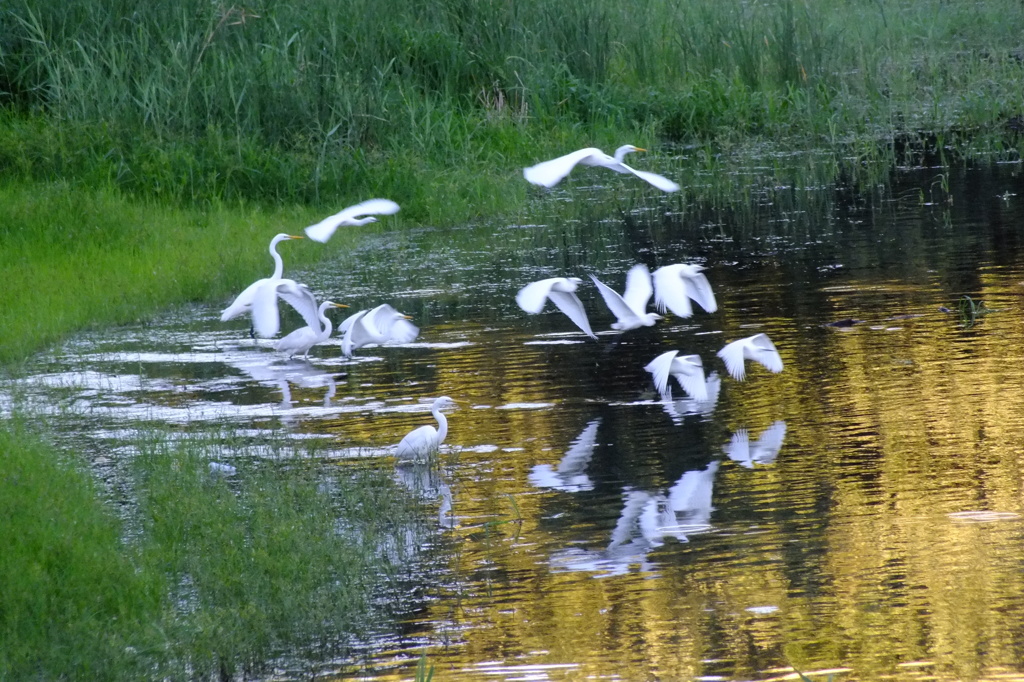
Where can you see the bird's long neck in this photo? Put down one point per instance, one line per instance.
(278, 263)
(442, 424)
(328, 326)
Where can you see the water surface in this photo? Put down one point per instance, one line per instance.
(858, 513)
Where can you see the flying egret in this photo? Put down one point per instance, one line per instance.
(631, 307)
(243, 303)
(562, 292)
(675, 285)
(379, 325)
(758, 348)
(762, 451)
(550, 173)
(687, 369)
(324, 229)
(425, 440)
(303, 339)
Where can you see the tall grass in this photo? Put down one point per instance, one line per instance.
(297, 102)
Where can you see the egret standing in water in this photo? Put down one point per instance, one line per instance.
(631, 307)
(425, 440)
(562, 292)
(550, 173)
(262, 288)
(318, 328)
(324, 229)
(758, 348)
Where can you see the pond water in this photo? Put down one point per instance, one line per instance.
(858, 514)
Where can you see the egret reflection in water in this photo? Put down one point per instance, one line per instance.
(678, 409)
(571, 474)
(762, 451)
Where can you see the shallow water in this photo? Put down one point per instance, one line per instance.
(858, 513)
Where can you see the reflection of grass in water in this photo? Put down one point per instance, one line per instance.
(224, 574)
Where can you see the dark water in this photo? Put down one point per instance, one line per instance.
(859, 512)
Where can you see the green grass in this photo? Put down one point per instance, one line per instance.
(74, 605)
(200, 575)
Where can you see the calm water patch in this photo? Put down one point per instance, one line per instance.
(858, 514)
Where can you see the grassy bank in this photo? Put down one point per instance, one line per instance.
(218, 575)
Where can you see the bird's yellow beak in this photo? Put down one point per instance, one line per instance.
(408, 317)
(340, 305)
(640, 149)
(295, 236)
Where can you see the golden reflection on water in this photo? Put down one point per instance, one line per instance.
(863, 551)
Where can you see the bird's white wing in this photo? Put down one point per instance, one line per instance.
(699, 289)
(355, 335)
(299, 296)
(569, 304)
(765, 352)
(732, 355)
(738, 449)
(403, 331)
(692, 379)
(265, 317)
(531, 298)
(670, 292)
(347, 322)
(660, 367)
(768, 444)
(659, 181)
(638, 288)
(242, 302)
(324, 230)
(615, 302)
(550, 173)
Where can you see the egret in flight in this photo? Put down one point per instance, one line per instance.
(265, 288)
(379, 325)
(676, 285)
(324, 229)
(758, 348)
(550, 173)
(562, 292)
(631, 307)
(687, 369)
(304, 338)
(425, 440)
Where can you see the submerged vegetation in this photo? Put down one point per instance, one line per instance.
(219, 574)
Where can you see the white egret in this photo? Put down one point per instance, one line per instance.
(324, 229)
(631, 307)
(303, 339)
(758, 348)
(425, 440)
(243, 303)
(675, 285)
(379, 325)
(550, 173)
(762, 451)
(562, 292)
(687, 369)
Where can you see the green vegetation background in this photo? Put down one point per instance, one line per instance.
(148, 151)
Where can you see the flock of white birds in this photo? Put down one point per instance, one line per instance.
(674, 287)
